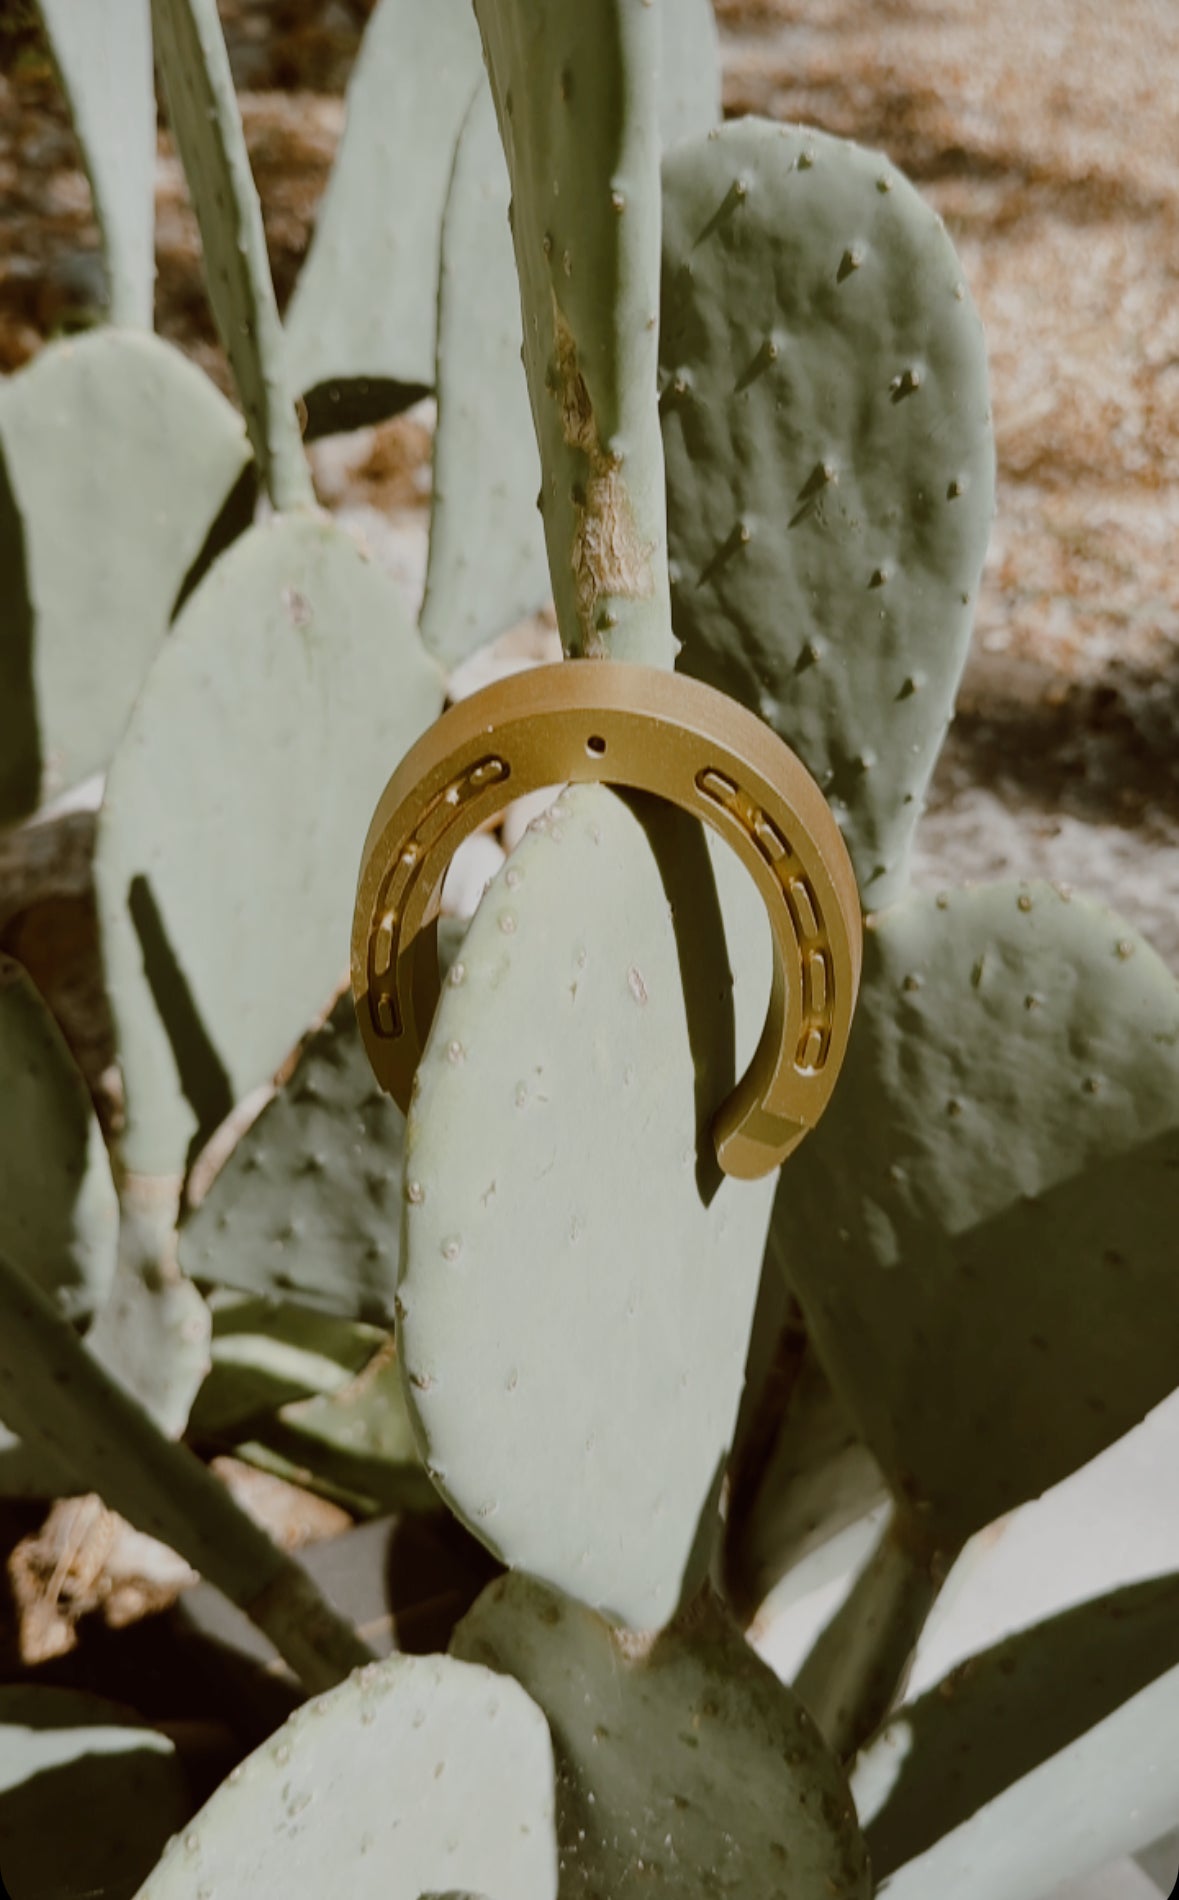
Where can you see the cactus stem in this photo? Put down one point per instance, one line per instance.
(858, 1665)
(57, 1396)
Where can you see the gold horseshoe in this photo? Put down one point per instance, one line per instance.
(654, 731)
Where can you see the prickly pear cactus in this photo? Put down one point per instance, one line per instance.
(121, 1782)
(307, 1206)
(830, 464)
(328, 682)
(817, 1483)
(1034, 1761)
(314, 1400)
(682, 1763)
(576, 95)
(202, 107)
(63, 1403)
(364, 354)
(487, 566)
(59, 1213)
(975, 1232)
(419, 1775)
(116, 457)
(1002, 1152)
(58, 1210)
(609, 989)
(103, 53)
(289, 681)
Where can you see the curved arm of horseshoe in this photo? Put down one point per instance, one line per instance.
(653, 731)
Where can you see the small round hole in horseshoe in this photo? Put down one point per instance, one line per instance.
(595, 745)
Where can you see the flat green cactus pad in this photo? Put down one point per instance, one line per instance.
(203, 111)
(1036, 1762)
(1048, 1691)
(418, 1774)
(830, 464)
(361, 323)
(29, 1471)
(115, 457)
(684, 1766)
(54, 1392)
(980, 1228)
(356, 1445)
(59, 1215)
(235, 813)
(153, 1337)
(819, 1478)
(576, 1274)
(314, 1399)
(265, 1355)
(307, 1207)
(64, 1753)
(103, 53)
(584, 165)
(355, 1449)
(487, 567)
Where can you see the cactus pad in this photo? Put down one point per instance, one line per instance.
(103, 53)
(361, 323)
(487, 566)
(313, 1399)
(307, 1207)
(818, 1479)
(419, 1775)
(265, 1355)
(830, 463)
(576, 93)
(355, 1445)
(1037, 1760)
(65, 1405)
(202, 108)
(120, 1782)
(115, 458)
(233, 820)
(684, 1766)
(575, 1274)
(58, 1212)
(978, 1231)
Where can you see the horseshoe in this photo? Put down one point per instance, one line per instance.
(603, 721)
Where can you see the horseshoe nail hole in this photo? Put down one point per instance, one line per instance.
(595, 745)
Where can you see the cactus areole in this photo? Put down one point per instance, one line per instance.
(655, 732)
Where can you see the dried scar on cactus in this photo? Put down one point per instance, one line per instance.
(608, 556)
